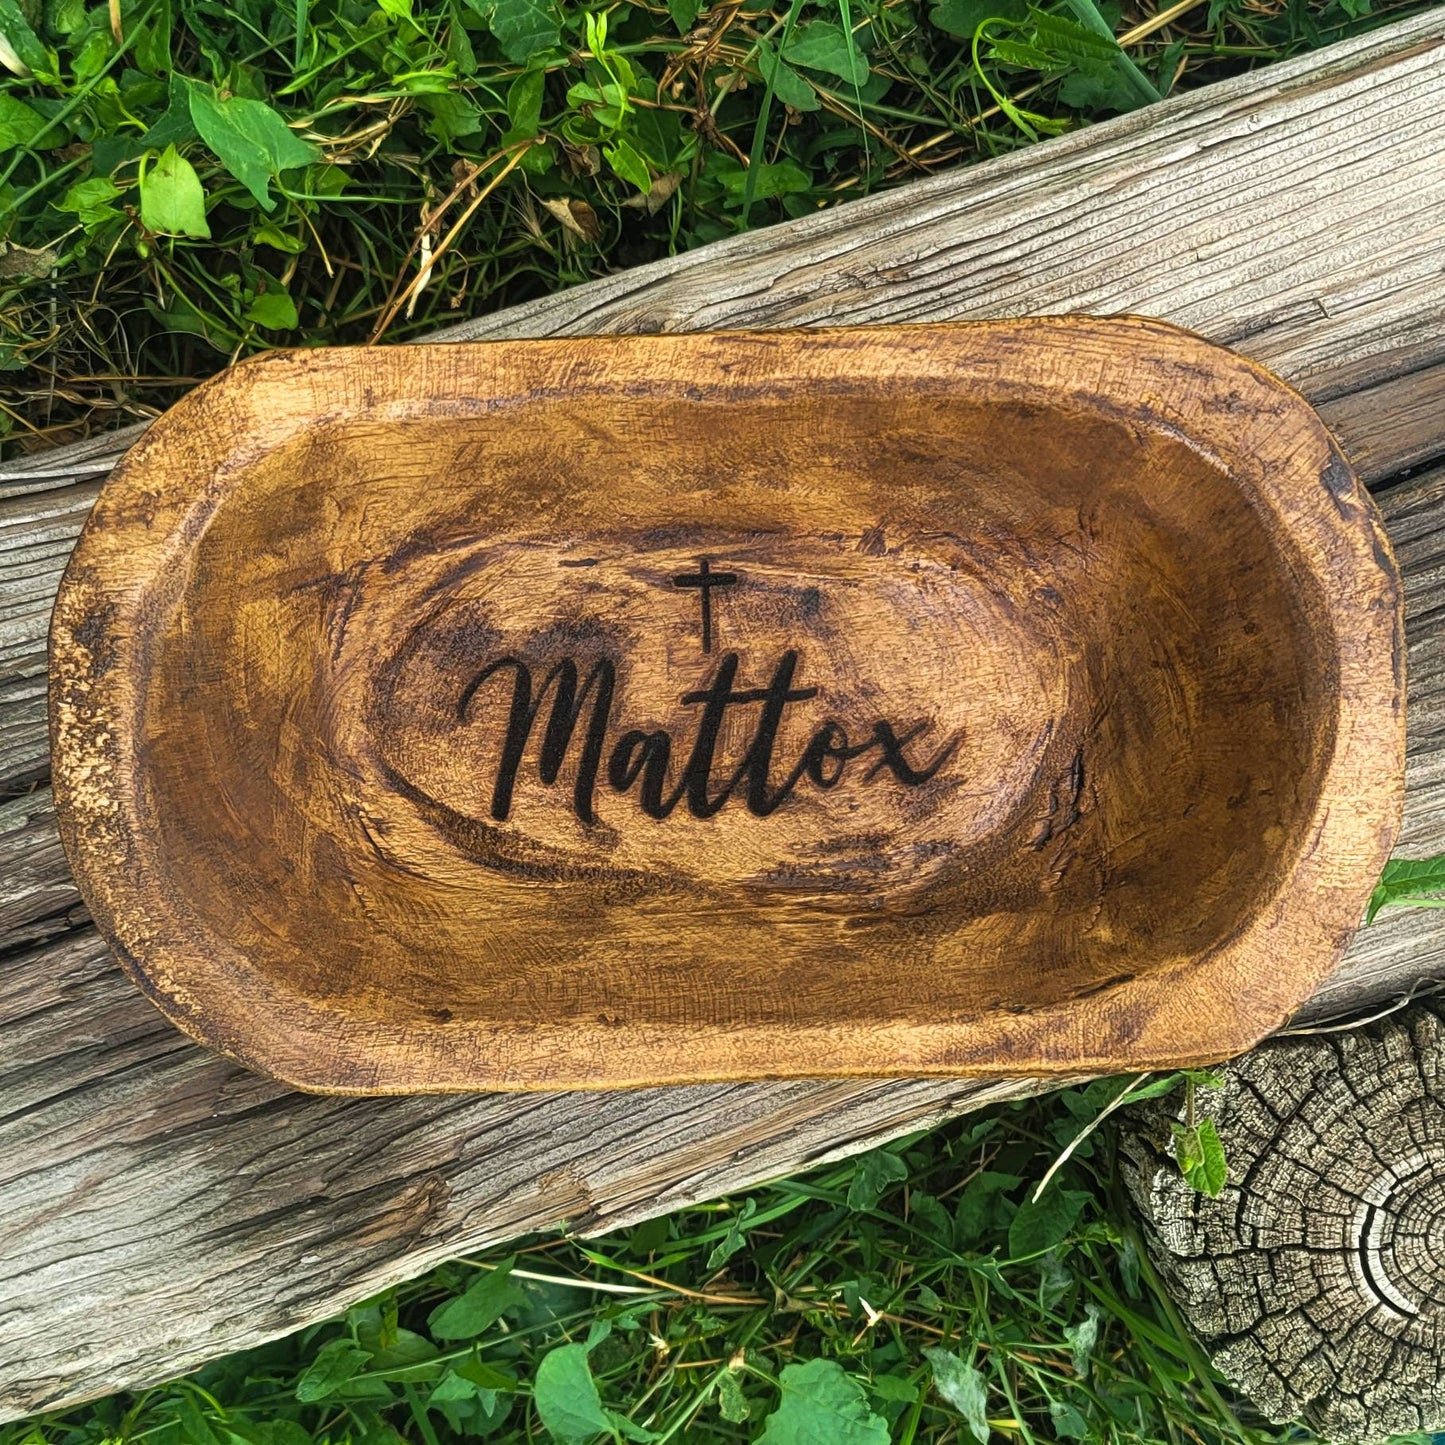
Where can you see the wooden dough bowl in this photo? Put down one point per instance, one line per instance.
(1019, 697)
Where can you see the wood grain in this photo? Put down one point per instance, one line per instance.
(1314, 1279)
(1050, 716)
(161, 1206)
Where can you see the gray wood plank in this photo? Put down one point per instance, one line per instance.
(159, 1206)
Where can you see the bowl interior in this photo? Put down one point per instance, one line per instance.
(849, 704)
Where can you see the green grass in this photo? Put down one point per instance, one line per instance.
(186, 181)
(916, 1294)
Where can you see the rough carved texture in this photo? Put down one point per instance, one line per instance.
(1317, 1279)
(1055, 721)
(159, 1206)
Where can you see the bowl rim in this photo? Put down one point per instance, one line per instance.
(122, 576)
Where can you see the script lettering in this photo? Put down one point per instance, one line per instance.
(643, 760)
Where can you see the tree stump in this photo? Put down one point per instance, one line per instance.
(1316, 1281)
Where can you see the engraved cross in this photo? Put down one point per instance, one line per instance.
(705, 579)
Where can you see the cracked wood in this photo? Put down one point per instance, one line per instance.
(1315, 1280)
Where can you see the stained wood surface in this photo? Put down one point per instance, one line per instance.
(161, 1206)
(1049, 718)
(1315, 1279)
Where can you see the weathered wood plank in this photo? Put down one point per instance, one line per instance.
(159, 1206)
(163, 1206)
(1406, 946)
(37, 531)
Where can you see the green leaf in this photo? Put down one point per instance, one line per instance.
(1094, 87)
(735, 1238)
(822, 1405)
(1166, 65)
(459, 48)
(172, 202)
(894, 1389)
(1098, 88)
(1128, 1257)
(1156, 1088)
(453, 1387)
(195, 1428)
(1082, 1338)
(1042, 1223)
(776, 178)
(983, 1208)
(628, 164)
(110, 154)
(249, 139)
(1068, 1423)
(684, 13)
(470, 1408)
(963, 1386)
(67, 17)
(275, 310)
(963, 17)
(182, 315)
(452, 116)
(1409, 880)
(283, 1432)
(872, 1175)
(334, 1365)
(822, 45)
(1201, 1157)
(1022, 54)
(629, 1429)
(566, 1396)
(731, 1404)
(152, 48)
(90, 200)
(787, 84)
(1070, 42)
(90, 57)
(485, 1376)
(327, 181)
(174, 126)
(486, 1300)
(522, 27)
(268, 233)
(409, 1358)
(524, 102)
(19, 123)
(930, 1217)
(24, 44)
(1055, 1280)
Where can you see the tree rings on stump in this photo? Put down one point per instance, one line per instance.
(1316, 1280)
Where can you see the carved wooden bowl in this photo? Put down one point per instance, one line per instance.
(1022, 697)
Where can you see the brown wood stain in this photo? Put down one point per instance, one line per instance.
(990, 698)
